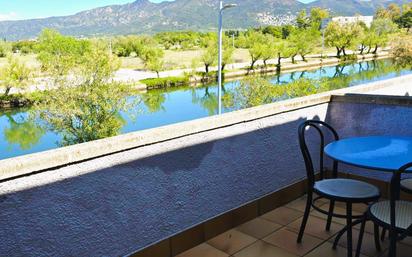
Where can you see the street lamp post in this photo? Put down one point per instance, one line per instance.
(221, 9)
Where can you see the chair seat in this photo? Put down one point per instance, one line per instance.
(406, 185)
(403, 212)
(347, 190)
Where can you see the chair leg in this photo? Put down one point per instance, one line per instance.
(329, 221)
(361, 233)
(349, 231)
(305, 217)
(392, 246)
(376, 235)
(383, 234)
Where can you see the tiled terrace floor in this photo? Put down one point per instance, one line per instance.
(274, 235)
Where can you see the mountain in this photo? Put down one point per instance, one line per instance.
(143, 16)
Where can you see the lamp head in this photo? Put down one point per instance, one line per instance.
(227, 6)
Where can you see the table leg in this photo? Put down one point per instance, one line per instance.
(349, 228)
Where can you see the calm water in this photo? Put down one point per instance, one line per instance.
(21, 134)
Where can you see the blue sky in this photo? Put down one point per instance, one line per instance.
(27, 9)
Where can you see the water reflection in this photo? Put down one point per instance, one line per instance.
(22, 130)
(27, 131)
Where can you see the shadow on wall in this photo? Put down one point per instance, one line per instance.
(120, 209)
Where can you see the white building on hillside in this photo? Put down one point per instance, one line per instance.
(353, 19)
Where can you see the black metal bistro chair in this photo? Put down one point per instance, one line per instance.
(394, 214)
(334, 189)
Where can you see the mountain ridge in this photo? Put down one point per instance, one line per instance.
(143, 16)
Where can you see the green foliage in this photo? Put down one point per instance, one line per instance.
(86, 105)
(184, 40)
(154, 100)
(84, 113)
(304, 41)
(259, 45)
(402, 51)
(15, 74)
(405, 21)
(59, 54)
(24, 47)
(22, 131)
(343, 37)
(314, 20)
(210, 55)
(165, 82)
(5, 49)
(252, 91)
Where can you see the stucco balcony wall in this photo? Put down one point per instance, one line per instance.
(164, 181)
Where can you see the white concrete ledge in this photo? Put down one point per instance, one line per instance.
(27, 164)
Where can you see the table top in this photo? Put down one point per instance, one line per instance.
(385, 153)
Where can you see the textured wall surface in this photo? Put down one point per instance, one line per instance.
(117, 204)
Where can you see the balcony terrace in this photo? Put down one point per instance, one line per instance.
(175, 190)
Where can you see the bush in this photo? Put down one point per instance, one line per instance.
(165, 82)
(5, 49)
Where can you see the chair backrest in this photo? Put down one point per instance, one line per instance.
(395, 191)
(320, 127)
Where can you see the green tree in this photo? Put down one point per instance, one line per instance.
(209, 56)
(402, 51)
(405, 21)
(318, 14)
(87, 106)
(342, 36)
(304, 41)
(152, 57)
(60, 54)
(15, 74)
(380, 31)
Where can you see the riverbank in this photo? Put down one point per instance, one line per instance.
(236, 71)
(143, 81)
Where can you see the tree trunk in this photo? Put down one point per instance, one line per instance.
(223, 67)
(293, 58)
(7, 91)
(344, 51)
(279, 62)
(303, 57)
(252, 65)
(207, 68)
(158, 74)
(362, 49)
(375, 50)
(338, 51)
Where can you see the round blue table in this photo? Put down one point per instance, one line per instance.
(384, 153)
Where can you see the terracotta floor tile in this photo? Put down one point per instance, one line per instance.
(203, 250)
(316, 227)
(263, 249)
(231, 241)
(286, 239)
(258, 228)
(283, 215)
(325, 250)
(368, 243)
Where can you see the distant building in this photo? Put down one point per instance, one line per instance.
(353, 19)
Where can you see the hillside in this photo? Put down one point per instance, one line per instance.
(143, 16)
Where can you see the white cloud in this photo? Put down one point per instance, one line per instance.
(8, 16)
